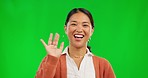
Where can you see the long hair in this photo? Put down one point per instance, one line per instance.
(86, 12)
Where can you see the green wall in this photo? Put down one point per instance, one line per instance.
(121, 34)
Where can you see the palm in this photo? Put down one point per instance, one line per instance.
(51, 48)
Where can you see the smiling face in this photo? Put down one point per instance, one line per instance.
(79, 30)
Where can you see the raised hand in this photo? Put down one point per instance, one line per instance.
(51, 47)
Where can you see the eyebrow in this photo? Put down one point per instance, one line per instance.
(73, 21)
(86, 22)
(82, 22)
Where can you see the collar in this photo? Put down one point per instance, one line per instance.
(88, 52)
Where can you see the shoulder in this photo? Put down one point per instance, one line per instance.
(62, 58)
(101, 61)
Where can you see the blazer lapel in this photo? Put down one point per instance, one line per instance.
(96, 66)
(63, 66)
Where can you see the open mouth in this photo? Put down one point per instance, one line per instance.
(78, 36)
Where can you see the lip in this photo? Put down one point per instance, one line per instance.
(78, 37)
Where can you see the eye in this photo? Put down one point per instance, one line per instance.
(85, 25)
(73, 24)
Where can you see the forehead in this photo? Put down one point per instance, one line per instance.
(79, 17)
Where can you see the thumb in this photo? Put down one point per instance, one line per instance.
(43, 42)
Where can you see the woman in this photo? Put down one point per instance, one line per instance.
(76, 61)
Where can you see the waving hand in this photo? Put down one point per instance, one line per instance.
(51, 47)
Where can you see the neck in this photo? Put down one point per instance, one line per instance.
(77, 52)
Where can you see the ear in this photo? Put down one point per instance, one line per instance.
(92, 31)
(65, 28)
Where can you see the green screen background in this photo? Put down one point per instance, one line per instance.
(121, 34)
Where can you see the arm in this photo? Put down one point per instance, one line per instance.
(108, 71)
(47, 68)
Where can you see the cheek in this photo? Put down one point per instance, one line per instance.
(88, 31)
(70, 34)
(71, 29)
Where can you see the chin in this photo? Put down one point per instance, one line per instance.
(79, 45)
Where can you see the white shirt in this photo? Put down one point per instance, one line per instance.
(86, 69)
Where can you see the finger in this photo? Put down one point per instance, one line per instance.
(56, 39)
(50, 39)
(62, 46)
(43, 42)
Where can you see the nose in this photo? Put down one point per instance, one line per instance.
(79, 28)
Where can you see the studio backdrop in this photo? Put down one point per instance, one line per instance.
(120, 34)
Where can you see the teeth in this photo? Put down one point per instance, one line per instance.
(78, 36)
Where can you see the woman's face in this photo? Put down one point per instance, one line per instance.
(79, 30)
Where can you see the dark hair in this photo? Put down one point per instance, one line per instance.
(76, 10)
(86, 12)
